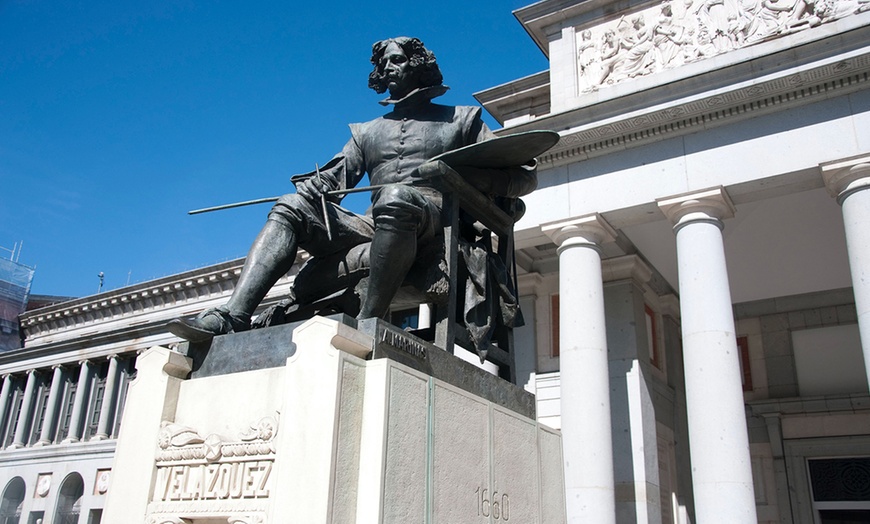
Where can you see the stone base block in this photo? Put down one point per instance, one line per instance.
(329, 437)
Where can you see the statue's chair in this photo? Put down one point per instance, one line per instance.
(469, 278)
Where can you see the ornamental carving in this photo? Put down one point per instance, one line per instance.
(181, 443)
(677, 33)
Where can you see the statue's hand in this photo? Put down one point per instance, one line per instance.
(316, 185)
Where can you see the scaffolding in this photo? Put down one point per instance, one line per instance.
(15, 280)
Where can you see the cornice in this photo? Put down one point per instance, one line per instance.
(138, 306)
(786, 91)
(545, 15)
(59, 452)
(528, 97)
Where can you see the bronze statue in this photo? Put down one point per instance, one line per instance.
(405, 212)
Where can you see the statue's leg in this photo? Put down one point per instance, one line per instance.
(402, 216)
(391, 256)
(271, 256)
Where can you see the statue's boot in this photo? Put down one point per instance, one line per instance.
(391, 255)
(271, 256)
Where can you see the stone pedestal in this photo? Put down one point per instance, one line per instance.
(330, 437)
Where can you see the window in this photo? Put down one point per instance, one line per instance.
(745, 371)
(841, 490)
(98, 389)
(15, 402)
(40, 408)
(69, 500)
(66, 409)
(95, 516)
(13, 497)
(127, 369)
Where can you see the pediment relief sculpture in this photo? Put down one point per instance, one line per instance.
(677, 33)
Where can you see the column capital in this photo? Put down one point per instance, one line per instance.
(844, 177)
(590, 230)
(708, 205)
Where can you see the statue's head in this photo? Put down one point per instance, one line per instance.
(403, 64)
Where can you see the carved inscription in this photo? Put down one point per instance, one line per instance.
(228, 480)
(496, 505)
(404, 344)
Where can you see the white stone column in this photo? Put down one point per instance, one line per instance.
(108, 407)
(718, 438)
(4, 398)
(585, 379)
(76, 419)
(848, 181)
(26, 411)
(50, 420)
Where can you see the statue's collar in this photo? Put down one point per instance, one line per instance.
(418, 96)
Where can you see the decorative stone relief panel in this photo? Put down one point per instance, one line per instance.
(672, 34)
(214, 476)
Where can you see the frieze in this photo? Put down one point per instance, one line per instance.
(673, 34)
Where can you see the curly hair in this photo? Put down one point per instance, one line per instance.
(424, 67)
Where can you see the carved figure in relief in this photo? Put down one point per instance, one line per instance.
(668, 39)
(772, 17)
(406, 210)
(608, 52)
(804, 14)
(635, 56)
(587, 61)
(692, 30)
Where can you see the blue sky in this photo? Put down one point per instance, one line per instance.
(116, 118)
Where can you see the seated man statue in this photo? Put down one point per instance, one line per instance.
(405, 211)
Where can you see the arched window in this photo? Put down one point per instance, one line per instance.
(69, 500)
(13, 497)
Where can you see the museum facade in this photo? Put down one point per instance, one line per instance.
(696, 256)
(694, 272)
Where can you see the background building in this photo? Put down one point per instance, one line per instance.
(688, 256)
(694, 276)
(15, 282)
